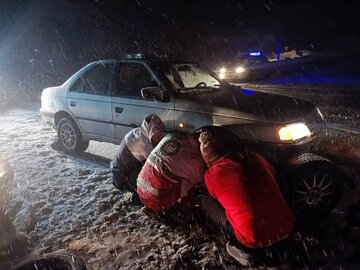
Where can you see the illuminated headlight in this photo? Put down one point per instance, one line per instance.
(239, 70)
(293, 132)
(222, 73)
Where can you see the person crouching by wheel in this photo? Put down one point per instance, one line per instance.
(134, 150)
(171, 172)
(244, 200)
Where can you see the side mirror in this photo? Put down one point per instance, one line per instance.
(154, 93)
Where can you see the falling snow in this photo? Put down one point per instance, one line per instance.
(62, 202)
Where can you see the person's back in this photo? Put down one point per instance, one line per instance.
(244, 199)
(246, 187)
(170, 171)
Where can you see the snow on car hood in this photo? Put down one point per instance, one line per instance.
(242, 103)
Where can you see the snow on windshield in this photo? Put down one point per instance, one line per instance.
(190, 76)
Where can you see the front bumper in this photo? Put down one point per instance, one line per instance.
(279, 154)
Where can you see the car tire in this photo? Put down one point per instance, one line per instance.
(70, 138)
(54, 261)
(315, 186)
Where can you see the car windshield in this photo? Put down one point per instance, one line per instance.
(187, 76)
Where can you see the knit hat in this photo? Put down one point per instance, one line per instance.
(212, 145)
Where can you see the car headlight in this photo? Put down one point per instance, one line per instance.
(222, 73)
(293, 132)
(239, 70)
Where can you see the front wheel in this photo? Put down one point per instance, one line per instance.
(70, 138)
(315, 186)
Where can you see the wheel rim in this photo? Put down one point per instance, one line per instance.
(314, 193)
(67, 136)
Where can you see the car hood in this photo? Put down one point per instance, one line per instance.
(246, 104)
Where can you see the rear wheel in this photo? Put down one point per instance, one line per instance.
(315, 186)
(70, 137)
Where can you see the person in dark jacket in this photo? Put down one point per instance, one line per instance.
(133, 151)
(250, 200)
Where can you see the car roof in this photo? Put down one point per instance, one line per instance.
(142, 60)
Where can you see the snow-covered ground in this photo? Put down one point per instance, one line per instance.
(63, 202)
(67, 202)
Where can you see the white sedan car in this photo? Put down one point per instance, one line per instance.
(107, 98)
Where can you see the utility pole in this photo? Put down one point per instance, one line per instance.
(278, 49)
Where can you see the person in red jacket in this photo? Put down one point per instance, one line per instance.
(244, 184)
(171, 171)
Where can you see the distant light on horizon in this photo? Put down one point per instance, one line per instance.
(222, 73)
(255, 53)
(240, 70)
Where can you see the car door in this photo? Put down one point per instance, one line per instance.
(129, 108)
(89, 100)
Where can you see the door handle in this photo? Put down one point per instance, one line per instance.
(119, 110)
(72, 103)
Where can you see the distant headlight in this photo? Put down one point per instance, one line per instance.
(222, 73)
(293, 132)
(239, 70)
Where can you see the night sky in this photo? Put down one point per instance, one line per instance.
(44, 42)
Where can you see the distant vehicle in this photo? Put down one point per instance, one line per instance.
(107, 98)
(245, 67)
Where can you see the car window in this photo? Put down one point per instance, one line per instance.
(189, 75)
(78, 86)
(131, 79)
(95, 81)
